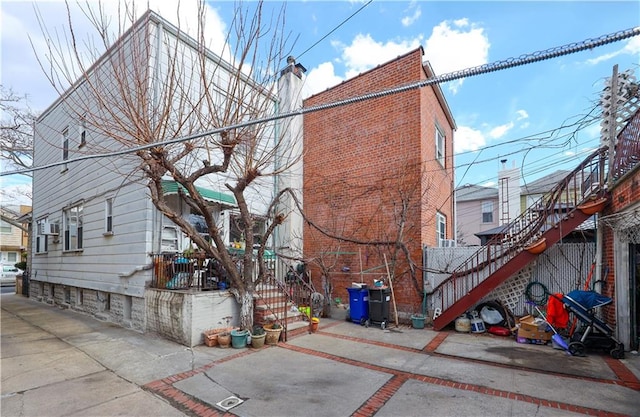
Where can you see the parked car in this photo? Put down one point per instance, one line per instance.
(9, 273)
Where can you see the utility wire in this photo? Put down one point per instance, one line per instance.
(334, 29)
(525, 59)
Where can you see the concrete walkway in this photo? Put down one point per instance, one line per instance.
(57, 362)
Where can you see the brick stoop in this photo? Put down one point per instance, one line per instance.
(271, 305)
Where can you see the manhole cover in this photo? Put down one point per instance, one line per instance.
(228, 403)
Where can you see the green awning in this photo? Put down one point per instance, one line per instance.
(171, 187)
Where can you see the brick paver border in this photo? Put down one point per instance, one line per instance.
(191, 405)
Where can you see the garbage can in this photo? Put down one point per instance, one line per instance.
(358, 305)
(379, 306)
(25, 283)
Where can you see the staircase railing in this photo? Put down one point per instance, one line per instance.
(288, 285)
(583, 183)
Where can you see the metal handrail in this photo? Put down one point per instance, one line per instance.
(581, 184)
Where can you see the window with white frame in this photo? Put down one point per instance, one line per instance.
(73, 228)
(108, 216)
(441, 228)
(12, 257)
(487, 212)
(65, 148)
(42, 242)
(440, 146)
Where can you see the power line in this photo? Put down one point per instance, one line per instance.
(525, 59)
(334, 29)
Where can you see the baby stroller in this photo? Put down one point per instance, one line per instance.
(595, 333)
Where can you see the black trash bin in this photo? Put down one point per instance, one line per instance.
(379, 306)
(25, 283)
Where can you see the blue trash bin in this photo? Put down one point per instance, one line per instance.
(359, 305)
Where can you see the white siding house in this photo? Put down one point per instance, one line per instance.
(95, 225)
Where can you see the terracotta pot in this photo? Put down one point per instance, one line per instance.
(593, 207)
(537, 247)
(314, 324)
(211, 336)
(224, 340)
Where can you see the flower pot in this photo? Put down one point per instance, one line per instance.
(537, 247)
(257, 341)
(417, 321)
(224, 340)
(314, 324)
(273, 335)
(593, 207)
(211, 336)
(239, 338)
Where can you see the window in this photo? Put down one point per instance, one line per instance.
(73, 228)
(65, 148)
(12, 257)
(5, 228)
(236, 229)
(108, 216)
(83, 132)
(441, 228)
(440, 149)
(41, 239)
(487, 212)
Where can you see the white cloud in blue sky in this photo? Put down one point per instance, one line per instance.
(414, 12)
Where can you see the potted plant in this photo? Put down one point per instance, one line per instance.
(224, 339)
(257, 337)
(239, 338)
(273, 333)
(211, 336)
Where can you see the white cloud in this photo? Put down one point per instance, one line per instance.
(361, 55)
(468, 139)
(631, 47)
(456, 45)
(453, 45)
(521, 114)
(499, 131)
(365, 53)
(320, 78)
(417, 12)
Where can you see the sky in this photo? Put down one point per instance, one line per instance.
(516, 114)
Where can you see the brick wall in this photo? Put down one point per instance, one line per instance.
(623, 195)
(361, 163)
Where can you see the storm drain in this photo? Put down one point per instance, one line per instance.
(229, 402)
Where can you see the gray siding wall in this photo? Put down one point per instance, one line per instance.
(469, 220)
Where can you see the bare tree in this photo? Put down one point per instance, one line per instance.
(16, 127)
(154, 85)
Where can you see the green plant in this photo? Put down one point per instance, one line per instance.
(21, 265)
(257, 330)
(276, 326)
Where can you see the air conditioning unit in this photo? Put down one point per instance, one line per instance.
(49, 229)
(448, 243)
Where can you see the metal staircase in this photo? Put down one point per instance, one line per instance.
(551, 218)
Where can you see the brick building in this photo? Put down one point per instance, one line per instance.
(621, 238)
(376, 172)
